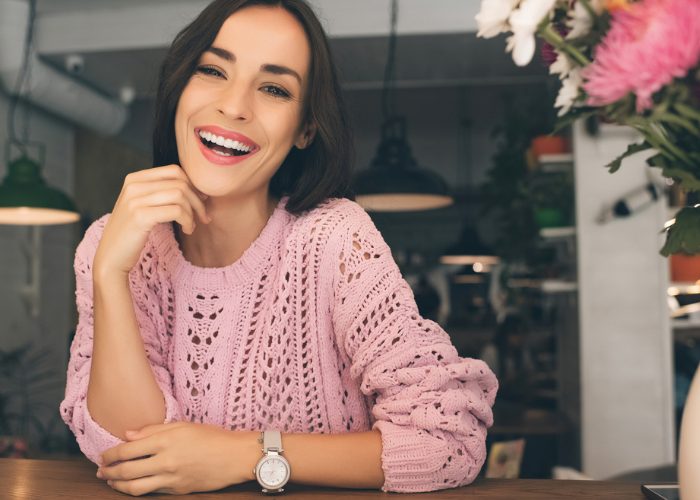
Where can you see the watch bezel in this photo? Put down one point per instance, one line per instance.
(262, 461)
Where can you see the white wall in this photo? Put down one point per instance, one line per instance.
(51, 329)
(625, 334)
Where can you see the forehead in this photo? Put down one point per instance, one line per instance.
(266, 35)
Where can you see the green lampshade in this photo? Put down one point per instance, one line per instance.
(26, 199)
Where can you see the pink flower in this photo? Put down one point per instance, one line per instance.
(648, 45)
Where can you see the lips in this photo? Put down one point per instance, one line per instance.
(218, 159)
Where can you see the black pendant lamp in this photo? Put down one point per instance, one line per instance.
(394, 182)
(469, 250)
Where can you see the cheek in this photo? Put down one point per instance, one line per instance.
(286, 128)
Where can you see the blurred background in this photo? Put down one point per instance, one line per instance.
(534, 258)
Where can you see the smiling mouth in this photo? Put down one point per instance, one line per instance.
(222, 146)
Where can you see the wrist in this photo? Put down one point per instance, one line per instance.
(250, 453)
(102, 275)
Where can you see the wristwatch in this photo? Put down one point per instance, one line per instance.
(272, 470)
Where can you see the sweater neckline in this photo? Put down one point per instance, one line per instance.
(245, 268)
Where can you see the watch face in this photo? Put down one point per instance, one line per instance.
(273, 472)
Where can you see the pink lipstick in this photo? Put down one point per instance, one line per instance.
(235, 148)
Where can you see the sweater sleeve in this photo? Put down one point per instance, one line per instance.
(431, 406)
(92, 438)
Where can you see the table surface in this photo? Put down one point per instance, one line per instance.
(75, 480)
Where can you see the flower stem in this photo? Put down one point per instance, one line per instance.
(550, 35)
(587, 5)
(657, 137)
(687, 111)
(680, 121)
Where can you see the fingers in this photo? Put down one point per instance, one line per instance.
(149, 430)
(132, 450)
(166, 213)
(135, 191)
(142, 486)
(156, 173)
(132, 469)
(165, 199)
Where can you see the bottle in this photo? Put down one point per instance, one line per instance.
(633, 202)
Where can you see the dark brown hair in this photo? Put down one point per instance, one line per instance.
(308, 176)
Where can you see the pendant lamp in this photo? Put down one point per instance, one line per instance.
(26, 199)
(470, 251)
(394, 182)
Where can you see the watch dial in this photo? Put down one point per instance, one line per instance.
(273, 471)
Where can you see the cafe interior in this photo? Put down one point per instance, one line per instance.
(515, 238)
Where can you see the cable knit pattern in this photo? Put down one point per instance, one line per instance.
(312, 330)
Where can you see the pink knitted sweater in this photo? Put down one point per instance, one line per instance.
(312, 330)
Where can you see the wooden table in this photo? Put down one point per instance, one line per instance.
(75, 480)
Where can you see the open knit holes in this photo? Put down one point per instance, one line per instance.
(313, 416)
(202, 331)
(237, 409)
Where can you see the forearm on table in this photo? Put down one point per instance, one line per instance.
(122, 393)
(349, 460)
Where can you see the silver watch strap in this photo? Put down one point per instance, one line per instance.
(272, 441)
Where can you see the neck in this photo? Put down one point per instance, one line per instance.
(235, 226)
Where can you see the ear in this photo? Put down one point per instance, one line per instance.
(306, 137)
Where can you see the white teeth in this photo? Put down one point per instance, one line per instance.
(222, 141)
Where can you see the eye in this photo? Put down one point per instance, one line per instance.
(276, 91)
(208, 70)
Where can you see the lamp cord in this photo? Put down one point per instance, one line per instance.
(388, 96)
(23, 78)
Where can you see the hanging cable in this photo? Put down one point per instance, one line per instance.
(388, 97)
(23, 78)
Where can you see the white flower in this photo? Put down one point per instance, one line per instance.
(523, 23)
(492, 19)
(562, 66)
(569, 91)
(580, 21)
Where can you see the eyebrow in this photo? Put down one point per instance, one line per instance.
(275, 69)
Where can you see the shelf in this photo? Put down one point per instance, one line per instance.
(545, 286)
(551, 233)
(556, 163)
(558, 286)
(683, 288)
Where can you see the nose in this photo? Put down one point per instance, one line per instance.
(236, 102)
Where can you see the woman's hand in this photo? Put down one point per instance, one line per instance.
(179, 458)
(147, 198)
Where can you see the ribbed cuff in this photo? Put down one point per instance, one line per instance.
(412, 460)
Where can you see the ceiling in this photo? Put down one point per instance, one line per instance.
(424, 60)
(421, 61)
(62, 6)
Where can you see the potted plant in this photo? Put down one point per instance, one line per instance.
(26, 377)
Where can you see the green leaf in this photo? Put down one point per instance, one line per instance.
(670, 170)
(570, 117)
(614, 165)
(684, 235)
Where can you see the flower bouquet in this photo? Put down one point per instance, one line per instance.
(633, 63)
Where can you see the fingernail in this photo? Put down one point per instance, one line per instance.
(99, 474)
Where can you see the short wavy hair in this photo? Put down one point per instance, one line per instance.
(308, 176)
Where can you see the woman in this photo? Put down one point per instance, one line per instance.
(272, 305)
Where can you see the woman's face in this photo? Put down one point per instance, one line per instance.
(248, 88)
